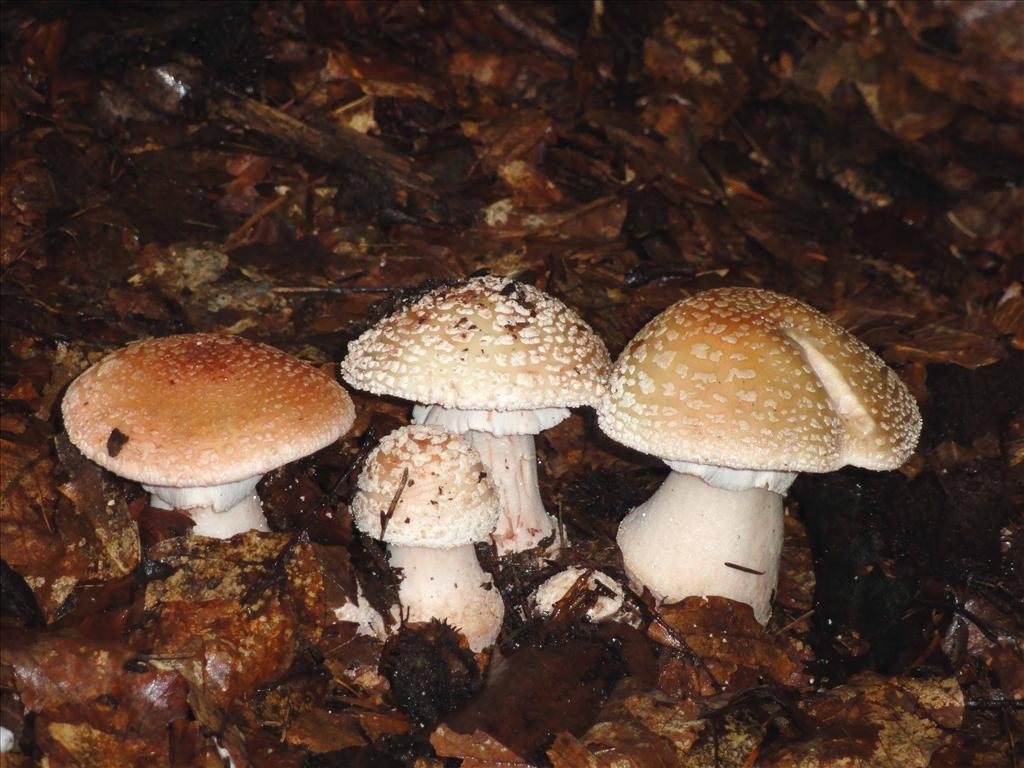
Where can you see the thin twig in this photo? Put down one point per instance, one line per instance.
(743, 568)
(544, 39)
(368, 443)
(237, 235)
(1008, 725)
(686, 650)
(794, 622)
(347, 149)
(995, 704)
(385, 517)
(339, 289)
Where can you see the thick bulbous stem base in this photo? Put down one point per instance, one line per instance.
(691, 538)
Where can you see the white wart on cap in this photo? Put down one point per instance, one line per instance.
(426, 493)
(739, 389)
(198, 418)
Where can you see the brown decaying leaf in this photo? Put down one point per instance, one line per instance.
(565, 683)
(91, 709)
(872, 720)
(639, 728)
(232, 614)
(58, 535)
(271, 169)
(476, 746)
(721, 647)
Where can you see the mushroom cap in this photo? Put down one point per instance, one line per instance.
(448, 500)
(486, 343)
(750, 379)
(202, 409)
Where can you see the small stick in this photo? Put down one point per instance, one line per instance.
(339, 289)
(385, 517)
(794, 622)
(744, 569)
(539, 36)
(1008, 725)
(995, 704)
(687, 651)
(270, 207)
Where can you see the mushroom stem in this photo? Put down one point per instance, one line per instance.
(691, 538)
(449, 584)
(219, 511)
(505, 442)
(512, 459)
(245, 516)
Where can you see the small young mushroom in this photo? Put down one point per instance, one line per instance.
(558, 586)
(497, 361)
(738, 390)
(199, 418)
(426, 494)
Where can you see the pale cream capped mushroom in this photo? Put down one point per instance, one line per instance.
(739, 389)
(425, 492)
(199, 418)
(497, 361)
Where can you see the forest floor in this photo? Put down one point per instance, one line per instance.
(277, 169)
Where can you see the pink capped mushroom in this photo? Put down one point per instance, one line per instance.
(199, 418)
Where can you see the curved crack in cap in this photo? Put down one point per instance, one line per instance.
(750, 379)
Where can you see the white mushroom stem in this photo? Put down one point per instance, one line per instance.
(523, 522)
(449, 584)
(219, 511)
(504, 440)
(692, 538)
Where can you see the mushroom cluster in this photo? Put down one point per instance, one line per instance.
(736, 389)
(497, 361)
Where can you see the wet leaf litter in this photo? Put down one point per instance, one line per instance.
(293, 173)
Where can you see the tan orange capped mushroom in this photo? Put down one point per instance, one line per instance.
(738, 390)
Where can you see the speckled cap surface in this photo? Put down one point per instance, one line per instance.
(448, 499)
(202, 409)
(750, 379)
(487, 343)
